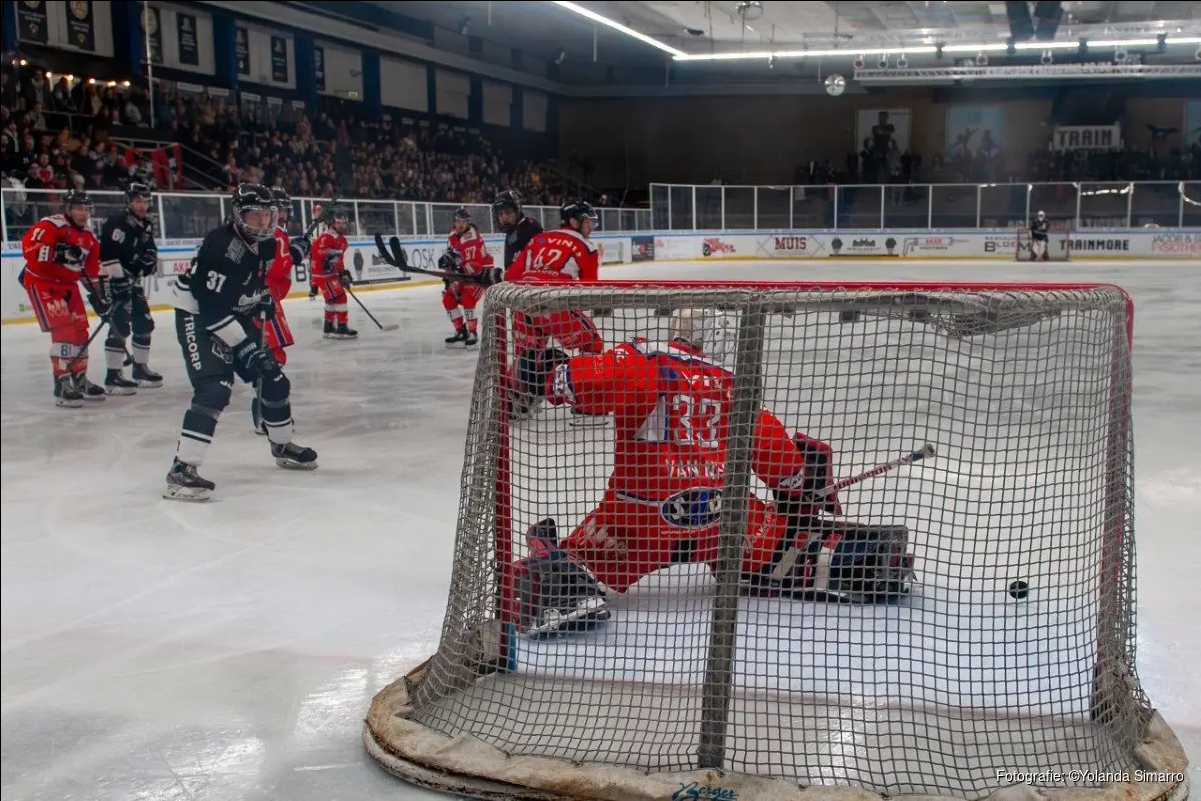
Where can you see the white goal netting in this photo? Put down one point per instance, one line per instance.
(722, 661)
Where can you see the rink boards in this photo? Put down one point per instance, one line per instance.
(956, 244)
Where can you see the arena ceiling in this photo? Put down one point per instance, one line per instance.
(718, 41)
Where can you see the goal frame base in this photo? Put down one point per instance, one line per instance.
(468, 767)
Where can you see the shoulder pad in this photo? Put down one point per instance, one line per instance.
(57, 220)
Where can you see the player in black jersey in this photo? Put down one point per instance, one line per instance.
(518, 229)
(217, 302)
(1039, 239)
(128, 252)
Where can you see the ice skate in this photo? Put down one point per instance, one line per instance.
(66, 394)
(185, 484)
(145, 377)
(472, 340)
(91, 392)
(293, 456)
(557, 594)
(117, 384)
(460, 337)
(344, 331)
(328, 331)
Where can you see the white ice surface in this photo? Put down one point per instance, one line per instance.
(157, 650)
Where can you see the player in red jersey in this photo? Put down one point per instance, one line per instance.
(561, 256)
(663, 504)
(466, 252)
(277, 334)
(332, 277)
(59, 251)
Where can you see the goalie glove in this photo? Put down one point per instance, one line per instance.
(796, 497)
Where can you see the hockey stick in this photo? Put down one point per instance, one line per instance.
(397, 259)
(927, 451)
(366, 311)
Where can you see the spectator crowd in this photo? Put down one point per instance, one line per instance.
(60, 131)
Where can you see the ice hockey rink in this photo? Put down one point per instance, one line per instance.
(229, 650)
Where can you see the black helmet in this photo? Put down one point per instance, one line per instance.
(254, 197)
(137, 190)
(75, 197)
(461, 213)
(508, 200)
(576, 210)
(282, 199)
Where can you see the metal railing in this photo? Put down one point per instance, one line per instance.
(1124, 204)
(191, 215)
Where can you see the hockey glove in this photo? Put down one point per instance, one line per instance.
(148, 261)
(535, 369)
(490, 276)
(100, 295)
(255, 360)
(300, 246)
(450, 262)
(345, 278)
(69, 255)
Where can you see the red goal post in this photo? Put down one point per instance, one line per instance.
(1025, 389)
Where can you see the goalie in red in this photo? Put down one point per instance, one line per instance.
(466, 252)
(671, 405)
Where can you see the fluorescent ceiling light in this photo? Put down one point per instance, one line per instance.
(617, 26)
(763, 54)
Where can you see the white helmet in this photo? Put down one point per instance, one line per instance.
(1042, 215)
(712, 333)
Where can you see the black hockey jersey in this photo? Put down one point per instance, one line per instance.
(1038, 229)
(128, 241)
(525, 230)
(226, 283)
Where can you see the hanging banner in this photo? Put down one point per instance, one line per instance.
(319, 67)
(972, 130)
(242, 50)
(189, 51)
(32, 20)
(279, 59)
(152, 34)
(81, 26)
(1088, 138)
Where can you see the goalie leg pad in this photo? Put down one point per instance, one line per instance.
(847, 563)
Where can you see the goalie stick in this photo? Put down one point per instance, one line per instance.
(927, 451)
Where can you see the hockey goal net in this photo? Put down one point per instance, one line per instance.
(1059, 245)
(1009, 659)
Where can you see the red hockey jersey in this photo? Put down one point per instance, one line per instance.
(328, 251)
(556, 257)
(671, 408)
(472, 250)
(279, 274)
(40, 247)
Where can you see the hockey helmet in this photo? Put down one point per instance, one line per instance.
(255, 214)
(1042, 215)
(506, 203)
(138, 191)
(75, 198)
(577, 210)
(283, 202)
(461, 213)
(710, 332)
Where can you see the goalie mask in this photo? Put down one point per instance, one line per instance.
(255, 214)
(711, 333)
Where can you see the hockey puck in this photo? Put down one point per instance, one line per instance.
(1019, 589)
